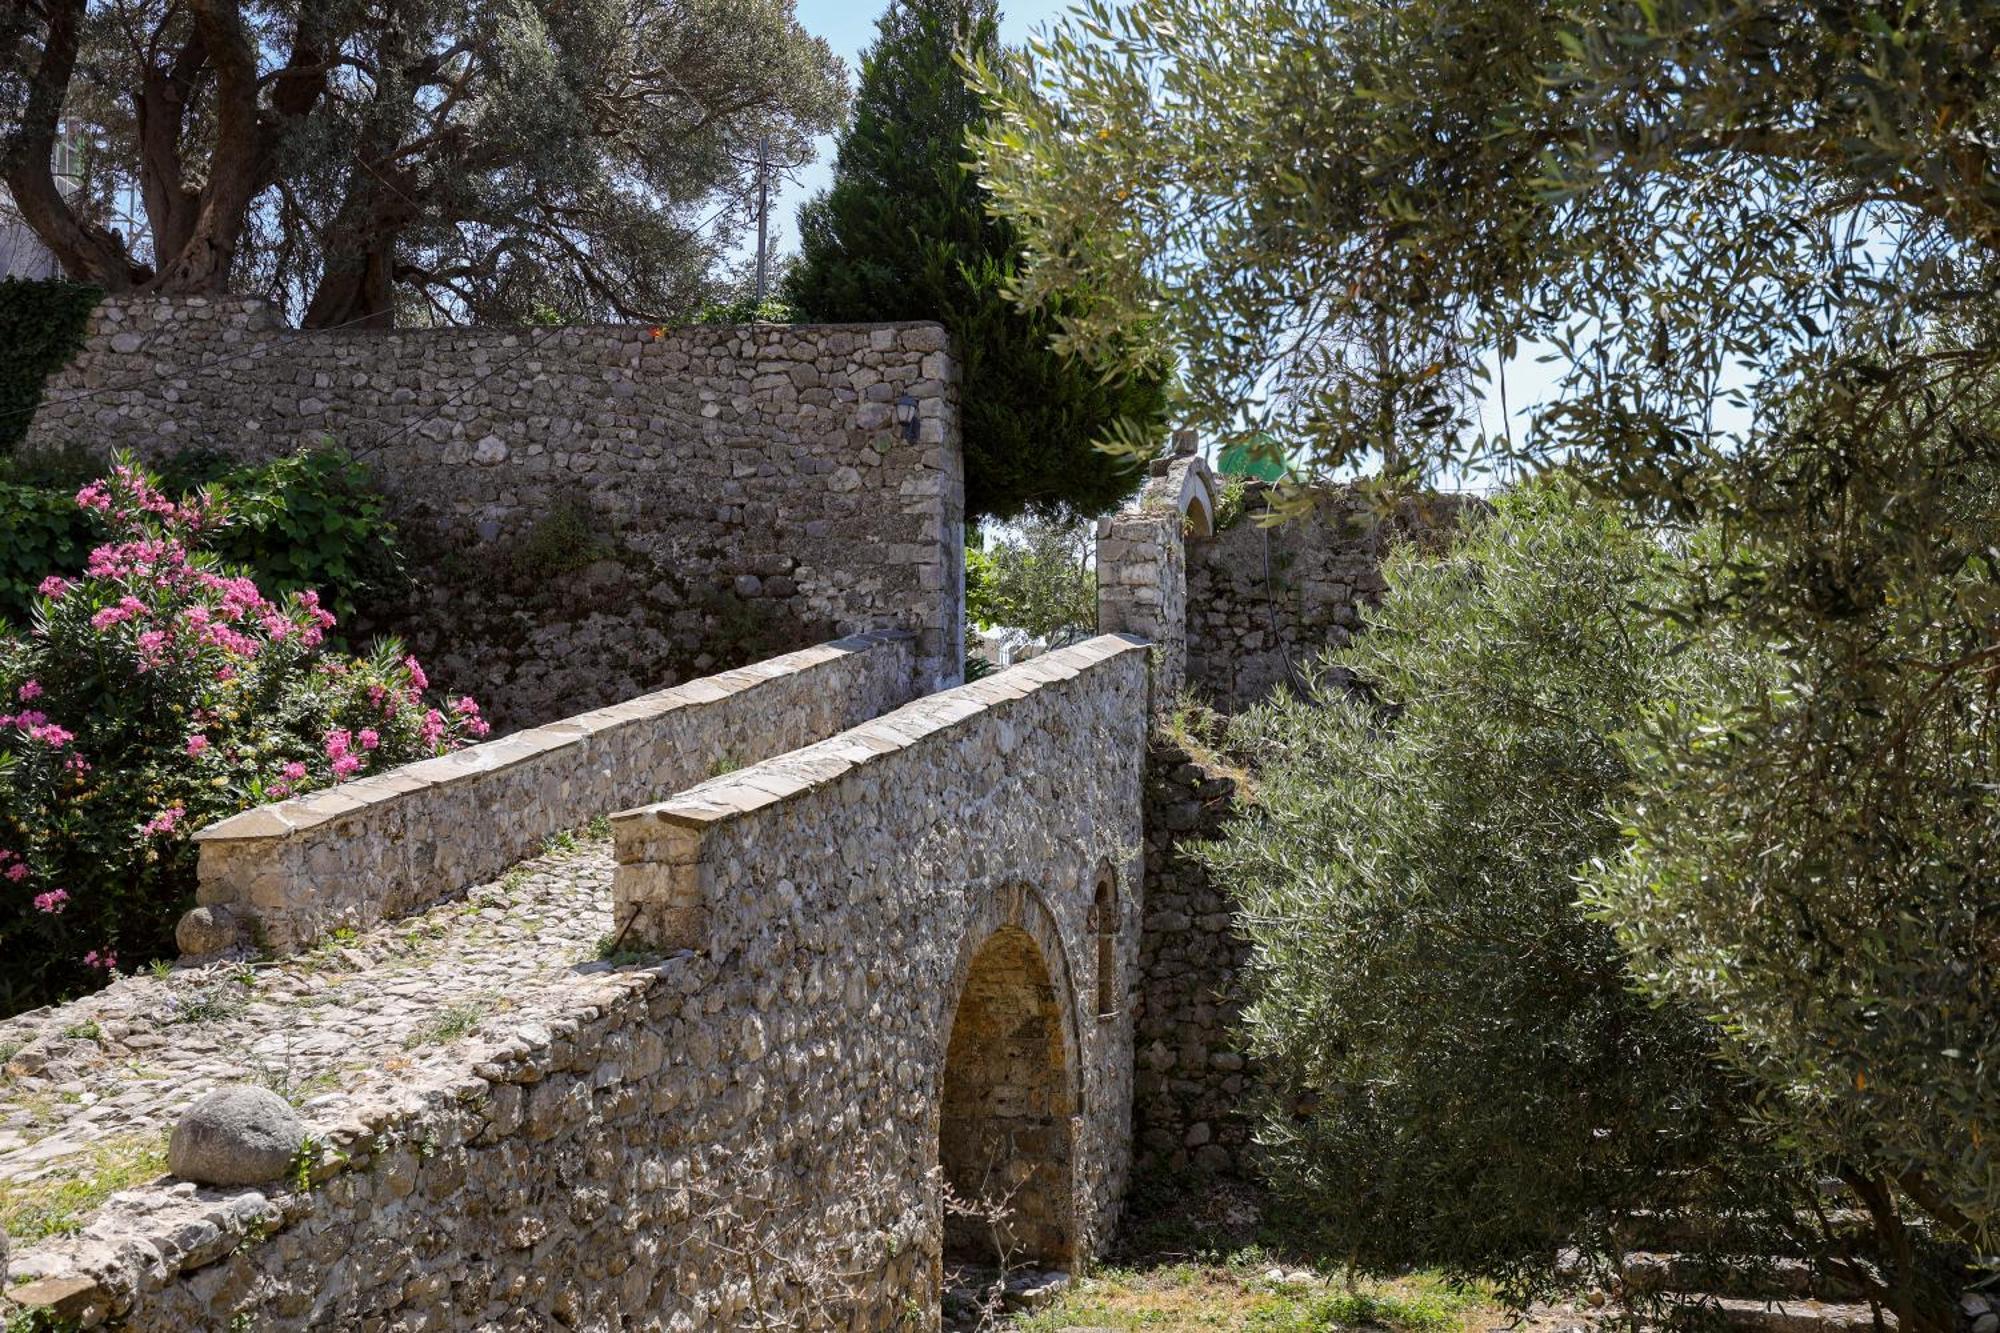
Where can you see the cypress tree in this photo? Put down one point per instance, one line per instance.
(903, 234)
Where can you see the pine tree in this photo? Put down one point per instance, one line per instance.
(904, 234)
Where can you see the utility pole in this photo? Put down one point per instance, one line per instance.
(763, 212)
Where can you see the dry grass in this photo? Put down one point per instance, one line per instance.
(1240, 1294)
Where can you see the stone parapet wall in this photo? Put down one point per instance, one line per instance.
(1263, 603)
(749, 1133)
(997, 806)
(718, 492)
(1193, 1082)
(688, 1145)
(288, 874)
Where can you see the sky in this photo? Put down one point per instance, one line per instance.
(848, 27)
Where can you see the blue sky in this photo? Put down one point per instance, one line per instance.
(849, 27)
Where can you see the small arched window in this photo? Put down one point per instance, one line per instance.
(1104, 919)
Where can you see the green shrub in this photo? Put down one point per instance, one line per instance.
(41, 328)
(1460, 1072)
(308, 521)
(1037, 580)
(159, 691)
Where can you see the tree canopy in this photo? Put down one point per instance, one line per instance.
(904, 233)
(1458, 1070)
(462, 161)
(1759, 243)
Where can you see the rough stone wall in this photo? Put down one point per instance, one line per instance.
(1244, 626)
(595, 511)
(1142, 562)
(741, 1135)
(1192, 1079)
(289, 873)
(992, 807)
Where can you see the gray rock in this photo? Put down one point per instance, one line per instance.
(1986, 1323)
(236, 1135)
(207, 930)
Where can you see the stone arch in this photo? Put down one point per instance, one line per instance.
(1195, 498)
(1009, 1092)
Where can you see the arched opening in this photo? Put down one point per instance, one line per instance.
(1004, 1126)
(1104, 921)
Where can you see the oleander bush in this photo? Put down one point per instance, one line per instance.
(309, 520)
(156, 691)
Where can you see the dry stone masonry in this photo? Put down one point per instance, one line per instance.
(287, 875)
(510, 1133)
(597, 511)
(1142, 563)
(1263, 603)
(1192, 1083)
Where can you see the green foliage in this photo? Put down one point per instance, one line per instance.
(904, 234)
(748, 310)
(41, 328)
(1811, 844)
(310, 520)
(157, 692)
(1460, 1072)
(1759, 249)
(1036, 580)
(41, 532)
(547, 161)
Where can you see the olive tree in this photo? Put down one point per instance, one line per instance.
(1460, 1070)
(1758, 244)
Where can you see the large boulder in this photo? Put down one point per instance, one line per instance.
(207, 930)
(238, 1135)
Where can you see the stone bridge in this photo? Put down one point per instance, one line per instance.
(718, 1069)
(746, 1003)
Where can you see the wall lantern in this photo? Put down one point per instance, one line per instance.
(906, 417)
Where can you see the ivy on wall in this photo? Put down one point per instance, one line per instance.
(41, 328)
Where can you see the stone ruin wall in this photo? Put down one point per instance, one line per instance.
(747, 1127)
(591, 512)
(1263, 603)
(1226, 632)
(1192, 1079)
(288, 874)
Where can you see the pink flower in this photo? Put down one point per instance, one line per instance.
(109, 616)
(432, 728)
(369, 738)
(76, 764)
(163, 822)
(31, 689)
(95, 496)
(52, 901)
(345, 766)
(338, 743)
(106, 961)
(16, 872)
(417, 677)
(197, 744)
(295, 771)
(53, 586)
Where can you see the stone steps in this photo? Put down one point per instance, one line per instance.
(1748, 1314)
(1753, 1276)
